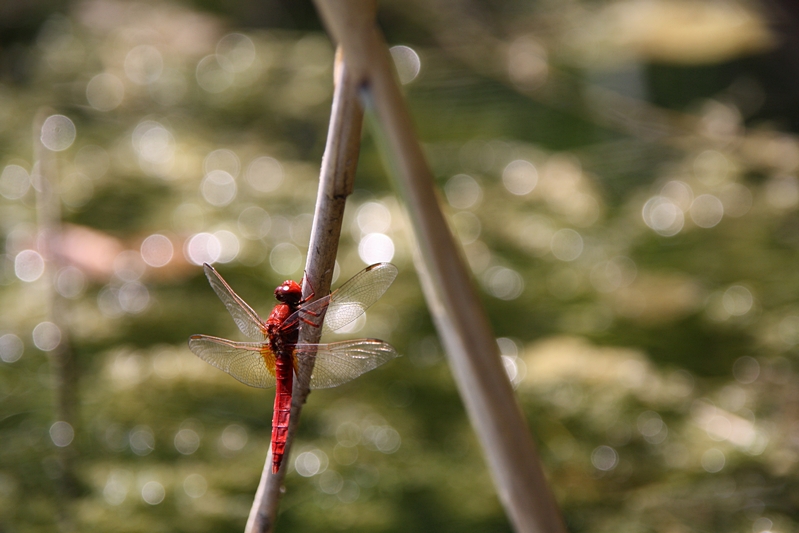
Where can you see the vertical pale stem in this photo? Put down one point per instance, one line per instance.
(62, 360)
(336, 178)
(457, 312)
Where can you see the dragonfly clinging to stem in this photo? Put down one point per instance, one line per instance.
(274, 357)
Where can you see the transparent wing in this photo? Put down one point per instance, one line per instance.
(350, 300)
(246, 319)
(340, 362)
(251, 363)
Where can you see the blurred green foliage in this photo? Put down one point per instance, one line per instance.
(625, 193)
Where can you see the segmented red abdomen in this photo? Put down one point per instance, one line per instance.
(282, 343)
(282, 412)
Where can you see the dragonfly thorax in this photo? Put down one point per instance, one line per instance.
(289, 292)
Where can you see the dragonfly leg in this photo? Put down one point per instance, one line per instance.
(311, 313)
(288, 324)
(306, 321)
(313, 291)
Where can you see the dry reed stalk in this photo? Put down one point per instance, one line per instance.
(336, 179)
(452, 299)
(63, 365)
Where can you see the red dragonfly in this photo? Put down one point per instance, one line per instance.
(273, 359)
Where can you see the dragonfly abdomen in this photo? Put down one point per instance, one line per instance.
(280, 417)
(282, 341)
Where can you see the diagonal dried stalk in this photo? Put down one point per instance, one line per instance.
(451, 297)
(336, 179)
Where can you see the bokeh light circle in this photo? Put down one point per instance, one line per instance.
(187, 441)
(144, 64)
(706, 211)
(129, 265)
(62, 434)
(153, 493)
(46, 336)
(376, 248)
(566, 244)
(11, 348)
(105, 92)
(373, 217)
(157, 250)
(463, 191)
(29, 265)
(520, 177)
(504, 283)
(265, 174)
(407, 62)
(133, 297)
(663, 215)
(285, 258)
(14, 182)
(713, 460)
(228, 245)
(116, 487)
(387, 440)
(195, 485)
(142, 440)
(214, 73)
(331, 482)
(58, 133)
(746, 370)
(737, 300)
(234, 437)
(222, 159)
(604, 458)
(218, 188)
(238, 49)
(202, 248)
(153, 142)
(310, 463)
(70, 282)
(254, 223)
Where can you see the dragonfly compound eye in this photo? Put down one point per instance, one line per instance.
(282, 291)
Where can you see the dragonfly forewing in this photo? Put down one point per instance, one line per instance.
(350, 300)
(243, 315)
(251, 363)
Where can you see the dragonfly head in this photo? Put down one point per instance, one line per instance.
(289, 292)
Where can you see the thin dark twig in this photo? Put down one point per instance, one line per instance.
(451, 296)
(335, 184)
